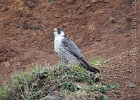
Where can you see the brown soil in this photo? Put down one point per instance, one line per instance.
(102, 29)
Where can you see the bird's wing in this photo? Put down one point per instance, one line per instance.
(71, 47)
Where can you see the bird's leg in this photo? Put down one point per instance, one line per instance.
(70, 63)
(62, 62)
(66, 64)
(73, 64)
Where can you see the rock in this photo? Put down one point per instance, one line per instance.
(129, 19)
(94, 0)
(30, 4)
(32, 24)
(50, 2)
(132, 1)
(70, 1)
(6, 23)
(5, 9)
(130, 85)
(56, 15)
(32, 40)
(112, 19)
(54, 95)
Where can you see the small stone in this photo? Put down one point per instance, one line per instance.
(127, 34)
(50, 2)
(32, 24)
(56, 15)
(130, 85)
(112, 19)
(94, 1)
(54, 95)
(6, 23)
(30, 4)
(70, 1)
(128, 19)
(32, 39)
(5, 9)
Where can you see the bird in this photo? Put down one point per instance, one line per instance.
(68, 51)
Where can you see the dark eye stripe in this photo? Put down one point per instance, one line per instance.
(59, 30)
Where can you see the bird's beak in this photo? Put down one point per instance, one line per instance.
(55, 30)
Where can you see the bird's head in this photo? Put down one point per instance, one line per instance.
(59, 32)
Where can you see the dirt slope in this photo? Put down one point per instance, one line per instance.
(102, 29)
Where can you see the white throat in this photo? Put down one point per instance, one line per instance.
(57, 41)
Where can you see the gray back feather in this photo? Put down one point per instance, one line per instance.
(71, 47)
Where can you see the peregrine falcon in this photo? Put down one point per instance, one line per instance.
(68, 51)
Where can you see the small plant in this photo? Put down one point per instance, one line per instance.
(3, 93)
(103, 97)
(94, 61)
(37, 83)
(70, 86)
(102, 88)
(139, 90)
(122, 98)
(96, 77)
(65, 93)
(108, 87)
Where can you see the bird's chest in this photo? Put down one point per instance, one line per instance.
(60, 49)
(58, 46)
(63, 52)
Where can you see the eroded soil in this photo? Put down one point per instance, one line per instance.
(102, 29)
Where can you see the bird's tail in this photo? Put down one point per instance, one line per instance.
(87, 66)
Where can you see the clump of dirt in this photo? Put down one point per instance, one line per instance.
(101, 28)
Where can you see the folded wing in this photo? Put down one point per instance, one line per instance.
(72, 47)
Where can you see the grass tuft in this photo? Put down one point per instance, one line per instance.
(38, 82)
(3, 93)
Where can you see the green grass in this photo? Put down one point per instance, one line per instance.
(97, 61)
(3, 93)
(121, 98)
(36, 83)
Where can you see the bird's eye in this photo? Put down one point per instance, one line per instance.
(59, 31)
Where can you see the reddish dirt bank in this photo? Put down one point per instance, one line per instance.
(102, 29)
